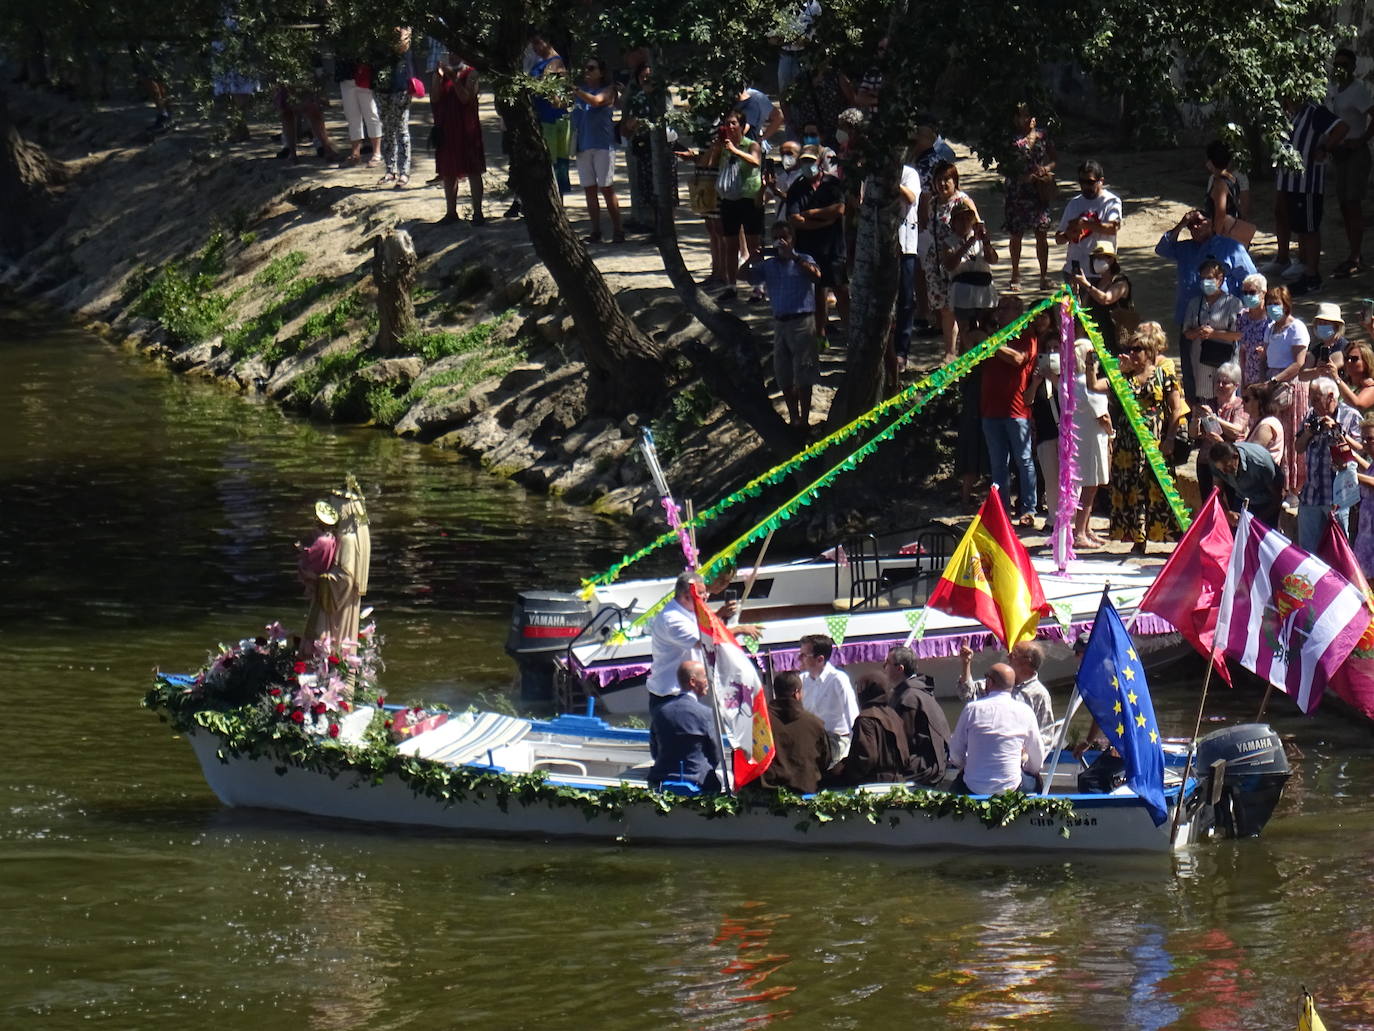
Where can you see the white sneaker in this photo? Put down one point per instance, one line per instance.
(1295, 270)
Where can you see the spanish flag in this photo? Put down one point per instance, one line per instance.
(990, 578)
(1308, 1019)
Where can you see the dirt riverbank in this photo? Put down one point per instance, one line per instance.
(270, 292)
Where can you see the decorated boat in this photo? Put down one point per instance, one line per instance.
(273, 732)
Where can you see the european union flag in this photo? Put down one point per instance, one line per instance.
(1111, 681)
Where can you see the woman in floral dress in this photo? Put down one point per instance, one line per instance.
(1139, 510)
(944, 178)
(1253, 323)
(1032, 171)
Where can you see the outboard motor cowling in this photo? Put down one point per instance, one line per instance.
(1252, 778)
(542, 624)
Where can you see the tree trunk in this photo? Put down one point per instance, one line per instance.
(394, 268)
(28, 210)
(872, 295)
(730, 368)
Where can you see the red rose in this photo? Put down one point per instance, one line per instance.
(275, 692)
(318, 709)
(345, 707)
(299, 667)
(333, 730)
(281, 708)
(297, 716)
(387, 724)
(333, 660)
(381, 700)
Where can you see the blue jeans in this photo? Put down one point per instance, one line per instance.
(1312, 524)
(906, 303)
(1009, 443)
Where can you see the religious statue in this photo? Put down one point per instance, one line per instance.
(334, 570)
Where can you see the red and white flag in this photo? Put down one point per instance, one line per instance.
(739, 696)
(1286, 615)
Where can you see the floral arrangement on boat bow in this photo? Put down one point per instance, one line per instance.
(326, 714)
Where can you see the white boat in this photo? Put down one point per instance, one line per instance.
(866, 595)
(577, 777)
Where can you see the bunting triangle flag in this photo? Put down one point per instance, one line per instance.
(990, 578)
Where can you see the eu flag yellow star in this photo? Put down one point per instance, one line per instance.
(1120, 729)
(1128, 673)
(1139, 720)
(1130, 654)
(1154, 736)
(1131, 697)
(1116, 708)
(1115, 682)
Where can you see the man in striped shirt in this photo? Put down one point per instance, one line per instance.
(1298, 200)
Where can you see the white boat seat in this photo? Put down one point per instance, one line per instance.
(462, 741)
(573, 765)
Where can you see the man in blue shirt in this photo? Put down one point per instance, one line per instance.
(791, 278)
(683, 738)
(1188, 254)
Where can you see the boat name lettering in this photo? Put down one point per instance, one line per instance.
(1077, 821)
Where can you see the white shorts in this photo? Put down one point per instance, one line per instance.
(595, 168)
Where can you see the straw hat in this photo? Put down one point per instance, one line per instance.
(1107, 248)
(326, 513)
(1329, 311)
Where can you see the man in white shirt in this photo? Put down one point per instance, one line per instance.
(675, 638)
(1352, 102)
(1025, 660)
(827, 693)
(909, 238)
(1092, 216)
(996, 743)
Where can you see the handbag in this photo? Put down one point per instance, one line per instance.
(1241, 231)
(702, 197)
(1215, 353)
(417, 88)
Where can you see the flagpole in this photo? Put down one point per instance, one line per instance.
(1264, 702)
(1070, 711)
(753, 574)
(726, 750)
(1192, 747)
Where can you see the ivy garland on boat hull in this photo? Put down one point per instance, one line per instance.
(237, 699)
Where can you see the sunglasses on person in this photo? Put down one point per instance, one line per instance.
(1136, 350)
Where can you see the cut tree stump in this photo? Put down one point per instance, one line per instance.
(394, 268)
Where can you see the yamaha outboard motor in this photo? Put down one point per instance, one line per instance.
(1252, 768)
(542, 624)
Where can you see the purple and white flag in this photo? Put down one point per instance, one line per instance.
(1286, 615)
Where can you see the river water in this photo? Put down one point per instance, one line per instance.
(144, 517)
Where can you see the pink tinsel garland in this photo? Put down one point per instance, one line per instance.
(1068, 443)
(689, 552)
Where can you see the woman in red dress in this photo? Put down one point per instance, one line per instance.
(458, 151)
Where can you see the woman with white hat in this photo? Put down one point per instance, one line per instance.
(1326, 354)
(1107, 296)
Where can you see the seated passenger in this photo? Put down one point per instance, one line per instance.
(683, 739)
(801, 746)
(996, 742)
(827, 692)
(877, 753)
(927, 728)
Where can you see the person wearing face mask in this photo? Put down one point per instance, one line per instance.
(1188, 255)
(1351, 101)
(1211, 326)
(815, 210)
(1253, 324)
(1092, 216)
(1326, 354)
(779, 177)
(1107, 296)
(1285, 354)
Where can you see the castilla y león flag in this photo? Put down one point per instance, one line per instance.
(990, 578)
(739, 696)
(1286, 615)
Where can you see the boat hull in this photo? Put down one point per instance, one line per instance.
(1101, 823)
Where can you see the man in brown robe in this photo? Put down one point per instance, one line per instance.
(927, 727)
(802, 747)
(878, 752)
